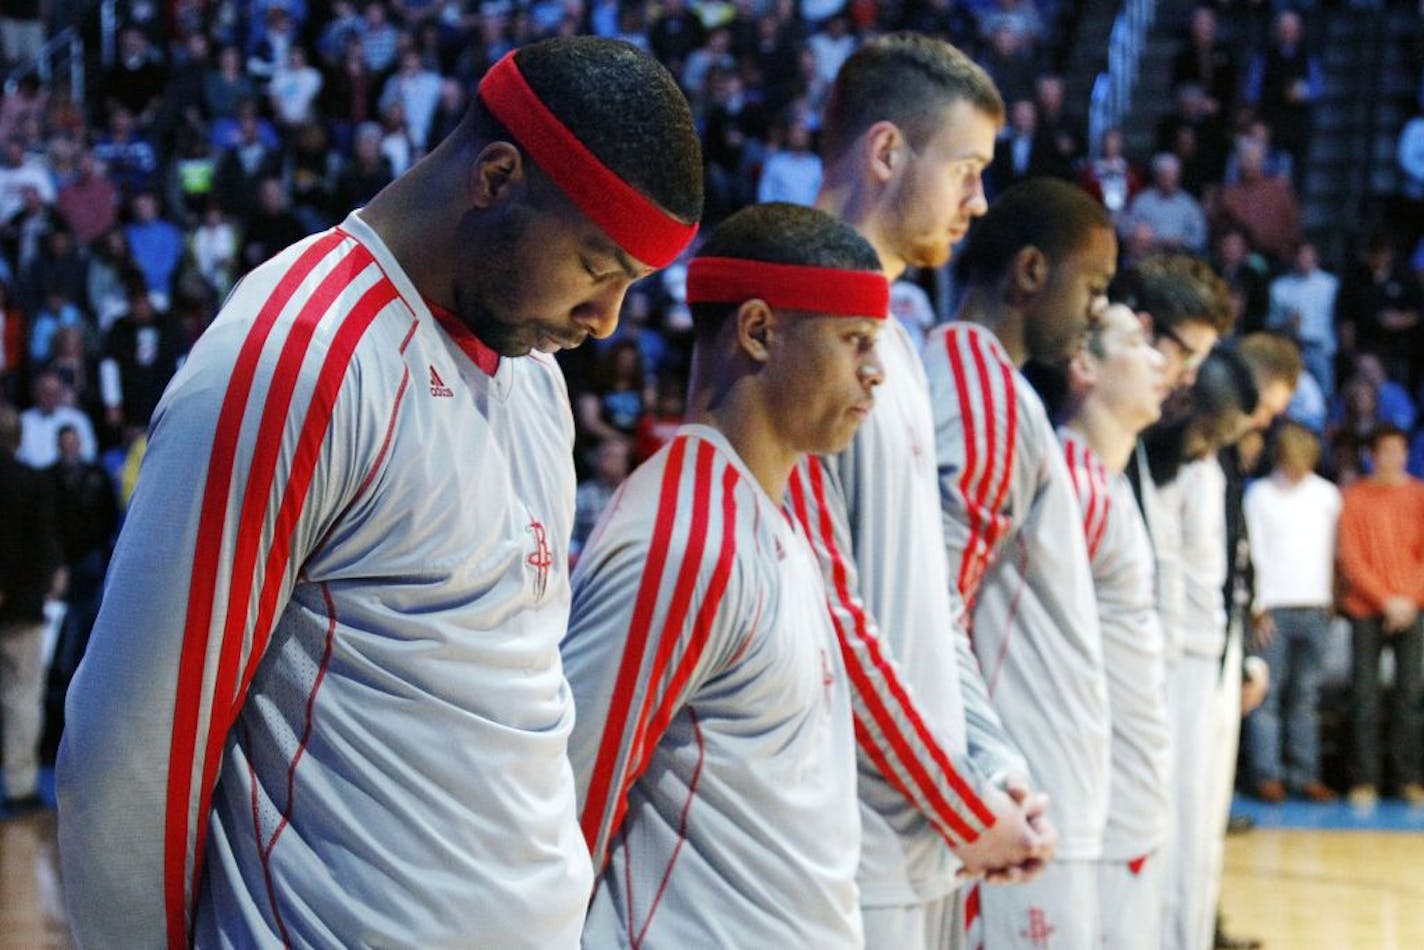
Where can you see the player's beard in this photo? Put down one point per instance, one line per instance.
(489, 296)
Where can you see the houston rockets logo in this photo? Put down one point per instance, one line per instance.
(1039, 929)
(541, 559)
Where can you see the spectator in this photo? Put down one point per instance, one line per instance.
(1379, 310)
(213, 246)
(1303, 306)
(619, 394)
(1394, 405)
(293, 90)
(23, 236)
(417, 89)
(127, 154)
(310, 172)
(1056, 127)
(367, 173)
(793, 172)
(658, 426)
(139, 78)
(110, 267)
(243, 166)
(86, 517)
(226, 85)
(1019, 17)
(18, 174)
(40, 424)
(350, 92)
(1247, 275)
(610, 466)
(674, 35)
(192, 175)
(59, 264)
(273, 47)
(58, 312)
(13, 351)
(1263, 207)
(832, 46)
(1206, 63)
(22, 33)
(1194, 112)
(380, 41)
(30, 572)
(89, 204)
(450, 111)
(73, 364)
(714, 54)
(1025, 150)
(396, 144)
(1110, 177)
(140, 358)
(1175, 217)
(1291, 519)
(1410, 155)
(156, 244)
(1381, 557)
(184, 96)
(1009, 61)
(1278, 162)
(1283, 84)
(272, 227)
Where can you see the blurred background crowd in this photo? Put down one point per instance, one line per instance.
(153, 151)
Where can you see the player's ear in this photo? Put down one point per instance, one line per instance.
(496, 175)
(1029, 271)
(1082, 370)
(754, 325)
(884, 150)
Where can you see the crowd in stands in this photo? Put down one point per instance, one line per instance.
(227, 129)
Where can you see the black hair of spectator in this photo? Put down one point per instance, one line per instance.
(781, 233)
(907, 79)
(589, 84)
(1047, 213)
(9, 429)
(1174, 289)
(1224, 390)
(1387, 430)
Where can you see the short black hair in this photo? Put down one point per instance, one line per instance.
(781, 233)
(624, 106)
(1174, 289)
(1045, 213)
(907, 79)
(1386, 430)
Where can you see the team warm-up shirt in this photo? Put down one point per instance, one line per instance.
(1124, 570)
(323, 704)
(872, 513)
(713, 748)
(1016, 553)
(1201, 512)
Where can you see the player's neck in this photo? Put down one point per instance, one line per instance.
(417, 215)
(984, 306)
(1110, 440)
(850, 200)
(741, 417)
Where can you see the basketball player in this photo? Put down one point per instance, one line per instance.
(323, 704)
(908, 131)
(1036, 272)
(1116, 386)
(713, 749)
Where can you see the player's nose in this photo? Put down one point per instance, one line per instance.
(599, 314)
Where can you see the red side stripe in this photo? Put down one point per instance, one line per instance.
(898, 743)
(257, 497)
(1009, 445)
(971, 905)
(202, 586)
(971, 458)
(706, 612)
(1137, 864)
(988, 411)
(692, 784)
(643, 739)
(626, 684)
(313, 433)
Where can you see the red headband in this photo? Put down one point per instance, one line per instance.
(828, 290)
(636, 224)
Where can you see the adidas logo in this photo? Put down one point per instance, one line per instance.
(438, 387)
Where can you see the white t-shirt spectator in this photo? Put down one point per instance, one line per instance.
(1292, 534)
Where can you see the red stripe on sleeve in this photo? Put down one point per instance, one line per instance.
(899, 745)
(257, 499)
(706, 611)
(971, 460)
(643, 739)
(639, 628)
(202, 587)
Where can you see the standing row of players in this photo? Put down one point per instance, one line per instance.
(330, 699)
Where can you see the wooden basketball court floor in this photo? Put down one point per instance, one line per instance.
(1356, 884)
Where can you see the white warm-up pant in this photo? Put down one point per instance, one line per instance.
(1130, 901)
(1057, 911)
(1204, 707)
(930, 925)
